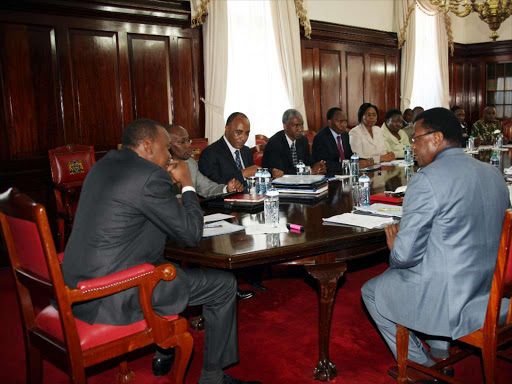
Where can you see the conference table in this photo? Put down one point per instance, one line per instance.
(323, 250)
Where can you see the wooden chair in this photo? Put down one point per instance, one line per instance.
(198, 146)
(507, 129)
(257, 154)
(491, 336)
(310, 136)
(261, 139)
(57, 335)
(69, 165)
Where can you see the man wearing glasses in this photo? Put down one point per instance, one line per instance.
(181, 151)
(444, 252)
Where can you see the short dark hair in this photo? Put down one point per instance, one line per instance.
(233, 116)
(455, 108)
(363, 108)
(408, 109)
(392, 112)
(332, 111)
(444, 121)
(139, 130)
(289, 113)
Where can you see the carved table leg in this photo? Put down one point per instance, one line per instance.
(327, 276)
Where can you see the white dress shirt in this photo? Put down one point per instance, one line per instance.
(365, 145)
(233, 151)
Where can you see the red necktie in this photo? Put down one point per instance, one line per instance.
(340, 148)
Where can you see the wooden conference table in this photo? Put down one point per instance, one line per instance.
(322, 249)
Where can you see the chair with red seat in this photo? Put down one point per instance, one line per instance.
(198, 146)
(57, 335)
(310, 135)
(69, 164)
(507, 129)
(261, 139)
(488, 338)
(257, 154)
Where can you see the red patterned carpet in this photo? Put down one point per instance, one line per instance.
(277, 336)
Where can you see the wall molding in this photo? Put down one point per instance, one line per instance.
(478, 50)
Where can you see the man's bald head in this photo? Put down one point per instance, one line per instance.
(180, 142)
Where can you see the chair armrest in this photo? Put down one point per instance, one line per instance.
(146, 275)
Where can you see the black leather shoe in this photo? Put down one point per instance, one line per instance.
(162, 365)
(258, 285)
(243, 295)
(228, 379)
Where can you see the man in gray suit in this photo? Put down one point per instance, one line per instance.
(180, 150)
(444, 252)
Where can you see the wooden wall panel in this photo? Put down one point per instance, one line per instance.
(354, 66)
(330, 82)
(95, 68)
(150, 77)
(355, 86)
(30, 88)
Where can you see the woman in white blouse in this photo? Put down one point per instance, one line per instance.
(395, 139)
(366, 139)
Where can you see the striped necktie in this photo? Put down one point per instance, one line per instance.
(238, 160)
(340, 149)
(294, 153)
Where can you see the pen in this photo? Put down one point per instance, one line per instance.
(389, 209)
(213, 226)
(295, 227)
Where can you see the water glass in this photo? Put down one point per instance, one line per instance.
(251, 185)
(357, 195)
(345, 168)
(307, 170)
(271, 208)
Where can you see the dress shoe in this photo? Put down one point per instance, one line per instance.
(413, 376)
(258, 285)
(228, 379)
(162, 365)
(243, 295)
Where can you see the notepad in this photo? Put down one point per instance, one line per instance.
(383, 209)
(364, 221)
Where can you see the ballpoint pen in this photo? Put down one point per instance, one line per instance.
(213, 226)
(389, 209)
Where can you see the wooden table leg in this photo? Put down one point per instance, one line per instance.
(327, 276)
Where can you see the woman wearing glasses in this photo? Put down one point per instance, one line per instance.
(366, 139)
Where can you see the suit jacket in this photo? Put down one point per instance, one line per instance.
(326, 148)
(204, 186)
(444, 255)
(277, 153)
(216, 162)
(125, 213)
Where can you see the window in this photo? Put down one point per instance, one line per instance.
(499, 88)
(254, 85)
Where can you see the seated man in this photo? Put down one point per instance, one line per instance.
(444, 252)
(461, 116)
(126, 211)
(331, 143)
(409, 129)
(181, 151)
(228, 157)
(407, 117)
(483, 129)
(289, 146)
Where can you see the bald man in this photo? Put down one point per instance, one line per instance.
(483, 129)
(181, 151)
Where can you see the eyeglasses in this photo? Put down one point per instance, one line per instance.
(415, 138)
(183, 142)
(370, 115)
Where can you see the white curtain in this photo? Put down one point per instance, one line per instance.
(406, 22)
(215, 53)
(287, 35)
(254, 82)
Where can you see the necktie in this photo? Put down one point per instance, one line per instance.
(340, 149)
(294, 153)
(238, 160)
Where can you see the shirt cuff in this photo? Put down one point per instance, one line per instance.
(225, 189)
(186, 189)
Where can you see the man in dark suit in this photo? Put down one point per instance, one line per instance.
(126, 211)
(332, 144)
(228, 157)
(289, 146)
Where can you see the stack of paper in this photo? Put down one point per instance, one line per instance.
(221, 228)
(382, 209)
(261, 229)
(364, 221)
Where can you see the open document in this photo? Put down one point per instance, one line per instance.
(382, 209)
(364, 221)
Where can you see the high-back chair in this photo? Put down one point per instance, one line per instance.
(257, 154)
(310, 135)
(261, 139)
(69, 165)
(198, 146)
(56, 334)
(507, 128)
(488, 338)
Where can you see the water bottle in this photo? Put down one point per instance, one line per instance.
(499, 141)
(271, 207)
(364, 181)
(354, 166)
(471, 144)
(495, 160)
(258, 180)
(267, 178)
(408, 155)
(301, 167)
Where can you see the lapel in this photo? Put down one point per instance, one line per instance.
(332, 142)
(287, 150)
(226, 153)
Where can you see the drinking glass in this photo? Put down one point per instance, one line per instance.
(356, 195)
(345, 168)
(307, 170)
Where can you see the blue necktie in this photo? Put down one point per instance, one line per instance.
(238, 160)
